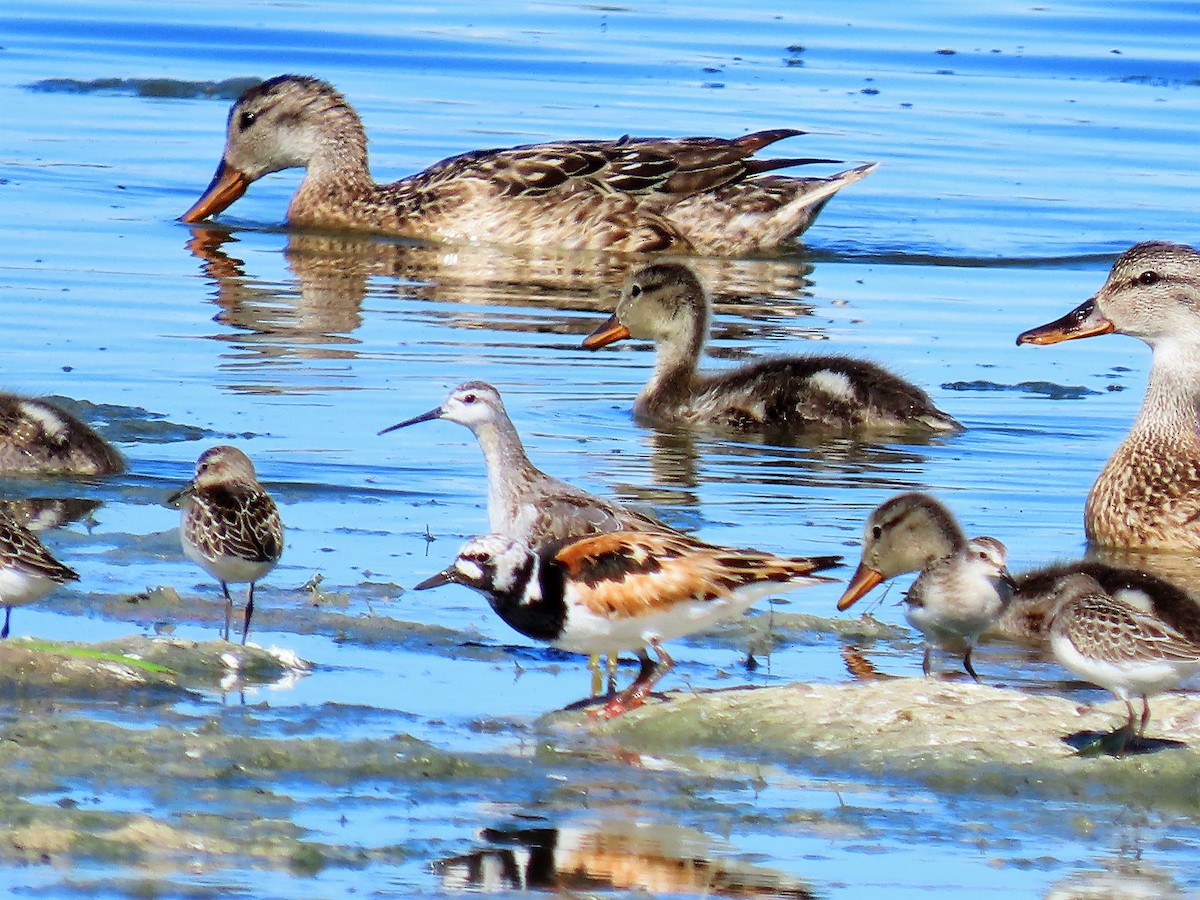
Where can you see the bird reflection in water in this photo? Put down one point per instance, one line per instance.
(658, 859)
(334, 273)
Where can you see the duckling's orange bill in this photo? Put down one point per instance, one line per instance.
(864, 579)
(1083, 321)
(608, 333)
(227, 185)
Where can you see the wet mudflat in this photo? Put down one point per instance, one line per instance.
(397, 743)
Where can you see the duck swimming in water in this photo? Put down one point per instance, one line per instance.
(691, 195)
(792, 395)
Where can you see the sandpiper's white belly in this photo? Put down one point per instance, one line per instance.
(1125, 679)
(18, 588)
(230, 569)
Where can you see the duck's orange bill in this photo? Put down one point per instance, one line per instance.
(864, 579)
(608, 333)
(227, 185)
(1083, 321)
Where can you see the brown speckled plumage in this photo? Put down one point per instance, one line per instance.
(229, 524)
(1148, 494)
(911, 532)
(779, 397)
(707, 195)
(1118, 646)
(39, 438)
(28, 571)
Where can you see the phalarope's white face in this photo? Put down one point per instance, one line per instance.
(472, 404)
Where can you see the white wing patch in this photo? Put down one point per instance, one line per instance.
(835, 384)
(52, 424)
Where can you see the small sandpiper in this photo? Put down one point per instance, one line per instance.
(1119, 647)
(623, 591)
(229, 525)
(959, 597)
(963, 586)
(28, 571)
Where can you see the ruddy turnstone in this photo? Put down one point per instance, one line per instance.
(28, 571)
(784, 396)
(1119, 647)
(623, 590)
(707, 195)
(229, 525)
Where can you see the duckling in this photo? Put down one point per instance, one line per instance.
(1148, 494)
(912, 531)
(704, 195)
(962, 588)
(1027, 619)
(794, 395)
(39, 438)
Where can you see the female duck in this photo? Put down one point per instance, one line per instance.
(1148, 494)
(706, 195)
(789, 395)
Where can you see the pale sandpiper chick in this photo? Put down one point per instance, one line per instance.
(955, 600)
(963, 586)
(1148, 494)
(524, 503)
(780, 396)
(229, 525)
(623, 591)
(28, 571)
(1119, 647)
(39, 438)
(634, 195)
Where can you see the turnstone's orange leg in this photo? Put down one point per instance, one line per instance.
(635, 695)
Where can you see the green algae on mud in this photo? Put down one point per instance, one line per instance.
(951, 735)
(135, 663)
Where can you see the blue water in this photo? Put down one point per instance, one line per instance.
(1021, 148)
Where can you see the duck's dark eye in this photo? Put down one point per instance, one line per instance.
(246, 119)
(877, 531)
(1148, 278)
(469, 398)
(635, 291)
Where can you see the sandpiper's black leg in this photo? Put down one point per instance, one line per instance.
(249, 613)
(967, 665)
(228, 608)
